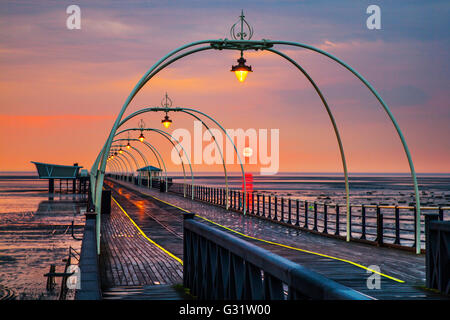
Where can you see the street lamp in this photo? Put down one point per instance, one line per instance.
(241, 69)
(128, 146)
(166, 103)
(141, 126)
(166, 122)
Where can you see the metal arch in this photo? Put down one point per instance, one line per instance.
(97, 173)
(152, 147)
(266, 44)
(157, 109)
(97, 176)
(145, 163)
(148, 145)
(134, 159)
(220, 152)
(112, 166)
(154, 151)
(164, 169)
(142, 156)
(116, 164)
(336, 131)
(235, 149)
(159, 163)
(136, 163)
(126, 162)
(167, 135)
(393, 120)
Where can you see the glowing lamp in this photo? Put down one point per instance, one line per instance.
(120, 151)
(166, 122)
(128, 145)
(141, 137)
(241, 69)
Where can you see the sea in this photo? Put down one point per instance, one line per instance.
(35, 226)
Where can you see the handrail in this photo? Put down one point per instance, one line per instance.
(380, 225)
(230, 268)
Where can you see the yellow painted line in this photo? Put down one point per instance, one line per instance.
(146, 237)
(283, 245)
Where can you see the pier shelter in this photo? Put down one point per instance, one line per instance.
(63, 173)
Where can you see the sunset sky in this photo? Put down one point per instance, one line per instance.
(61, 89)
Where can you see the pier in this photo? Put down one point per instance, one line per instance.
(143, 246)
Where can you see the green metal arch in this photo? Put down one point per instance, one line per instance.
(97, 173)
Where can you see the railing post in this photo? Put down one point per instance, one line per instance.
(397, 225)
(289, 211)
(275, 217)
(379, 239)
(257, 203)
(239, 200)
(306, 215)
(350, 221)
(264, 205)
(430, 252)
(270, 208)
(337, 231)
(315, 216)
(363, 222)
(282, 210)
(415, 227)
(441, 214)
(253, 202)
(297, 223)
(325, 218)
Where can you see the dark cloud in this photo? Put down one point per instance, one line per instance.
(405, 96)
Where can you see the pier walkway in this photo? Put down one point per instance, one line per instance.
(157, 220)
(132, 265)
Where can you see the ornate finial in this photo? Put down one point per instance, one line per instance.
(141, 124)
(166, 102)
(242, 34)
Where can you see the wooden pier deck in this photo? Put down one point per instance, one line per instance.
(162, 222)
(131, 265)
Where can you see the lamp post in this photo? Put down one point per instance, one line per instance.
(241, 70)
(167, 103)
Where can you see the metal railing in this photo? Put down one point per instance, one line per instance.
(438, 254)
(52, 274)
(381, 225)
(221, 266)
